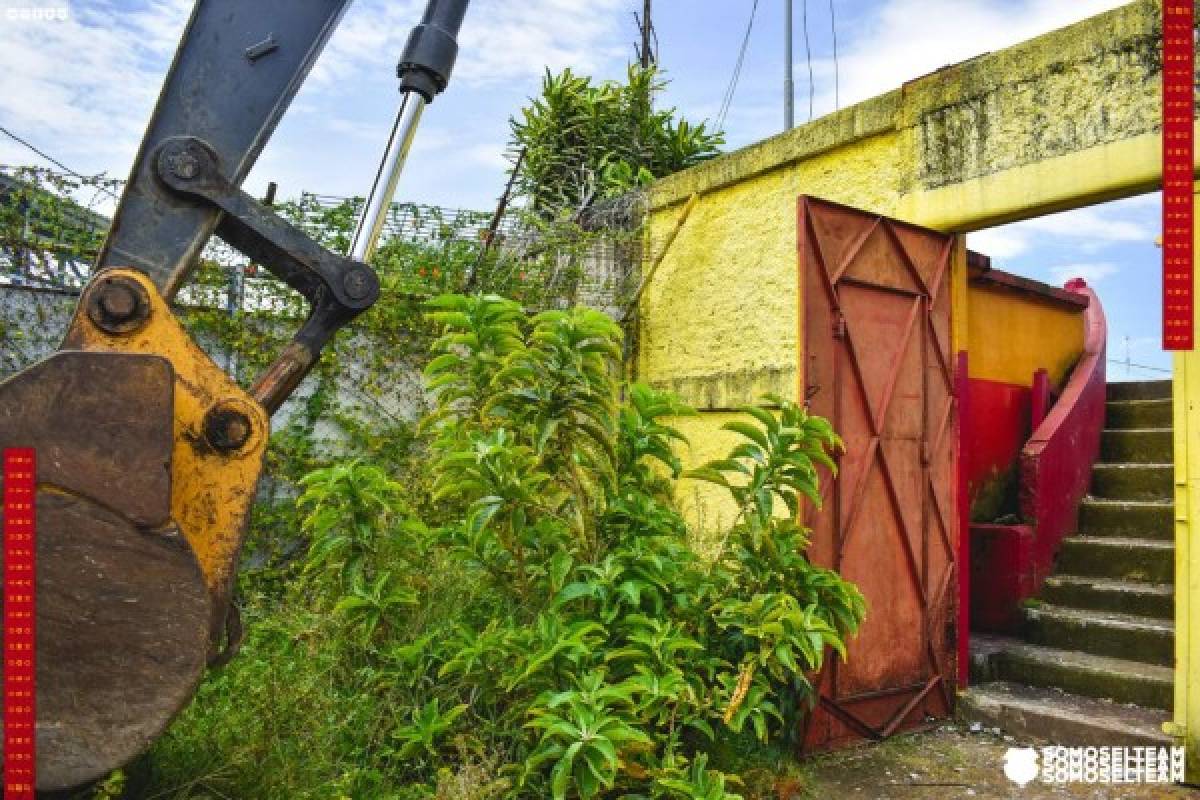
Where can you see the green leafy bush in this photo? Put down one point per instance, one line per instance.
(583, 140)
(553, 635)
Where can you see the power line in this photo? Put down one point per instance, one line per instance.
(54, 161)
(837, 99)
(807, 56)
(737, 71)
(1125, 363)
(49, 158)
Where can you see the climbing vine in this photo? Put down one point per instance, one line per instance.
(366, 392)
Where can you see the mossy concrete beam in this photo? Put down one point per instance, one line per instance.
(1061, 121)
(1095, 84)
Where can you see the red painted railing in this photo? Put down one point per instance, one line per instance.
(1056, 462)
(1009, 562)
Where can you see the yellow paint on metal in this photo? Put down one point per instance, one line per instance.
(1186, 420)
(211, 492)
(960, 307)
(1012, 334)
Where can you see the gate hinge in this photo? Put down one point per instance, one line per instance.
(839, 326)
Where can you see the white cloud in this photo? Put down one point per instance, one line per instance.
(1092, 273)
(353, 128)
(500, 41)
(907, 39)
(503, 40)
(83, 87)
(999, 243)
(489, 155)
(1090, 223)
(1088, 229)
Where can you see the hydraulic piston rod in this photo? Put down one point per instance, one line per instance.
(370, 223)
(424, 71)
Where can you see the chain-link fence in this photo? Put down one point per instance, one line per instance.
(367, 390)
(49, 238)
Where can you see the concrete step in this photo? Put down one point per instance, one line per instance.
(1138, 414)
(1139, 390)
(1147, 560)
(1103, 633)
(1100, 594)
(1137, 445)
(1053, 716)
(1133, 481)
(1002, 658)
(1124, 518)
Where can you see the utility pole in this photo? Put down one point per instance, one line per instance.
(789, 86)
(646, 54)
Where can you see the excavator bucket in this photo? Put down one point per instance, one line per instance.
(122, 609)
(148, 454)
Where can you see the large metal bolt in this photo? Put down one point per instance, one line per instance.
(118, 302)
(184, 164)
(118, 305)
(357, 284)
(227, 428)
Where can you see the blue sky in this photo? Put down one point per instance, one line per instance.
(83, 88)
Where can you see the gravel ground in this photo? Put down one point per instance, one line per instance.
(948, 762)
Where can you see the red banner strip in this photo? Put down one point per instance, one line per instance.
(20, 718)
(1178, 112)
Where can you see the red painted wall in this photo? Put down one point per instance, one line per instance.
(1002, 575)
(995, 432)
(1008, 563)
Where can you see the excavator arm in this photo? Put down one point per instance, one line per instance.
(148, 453)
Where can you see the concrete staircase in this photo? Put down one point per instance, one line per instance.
(1094, 662)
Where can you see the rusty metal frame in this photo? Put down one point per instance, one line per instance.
(822, 278)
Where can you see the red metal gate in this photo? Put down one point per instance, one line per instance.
(878, 363)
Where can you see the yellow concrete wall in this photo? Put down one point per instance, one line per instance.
(719, 322)
(707, 508)
(1012, 334)
(1061, 121)
(1066, 120)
